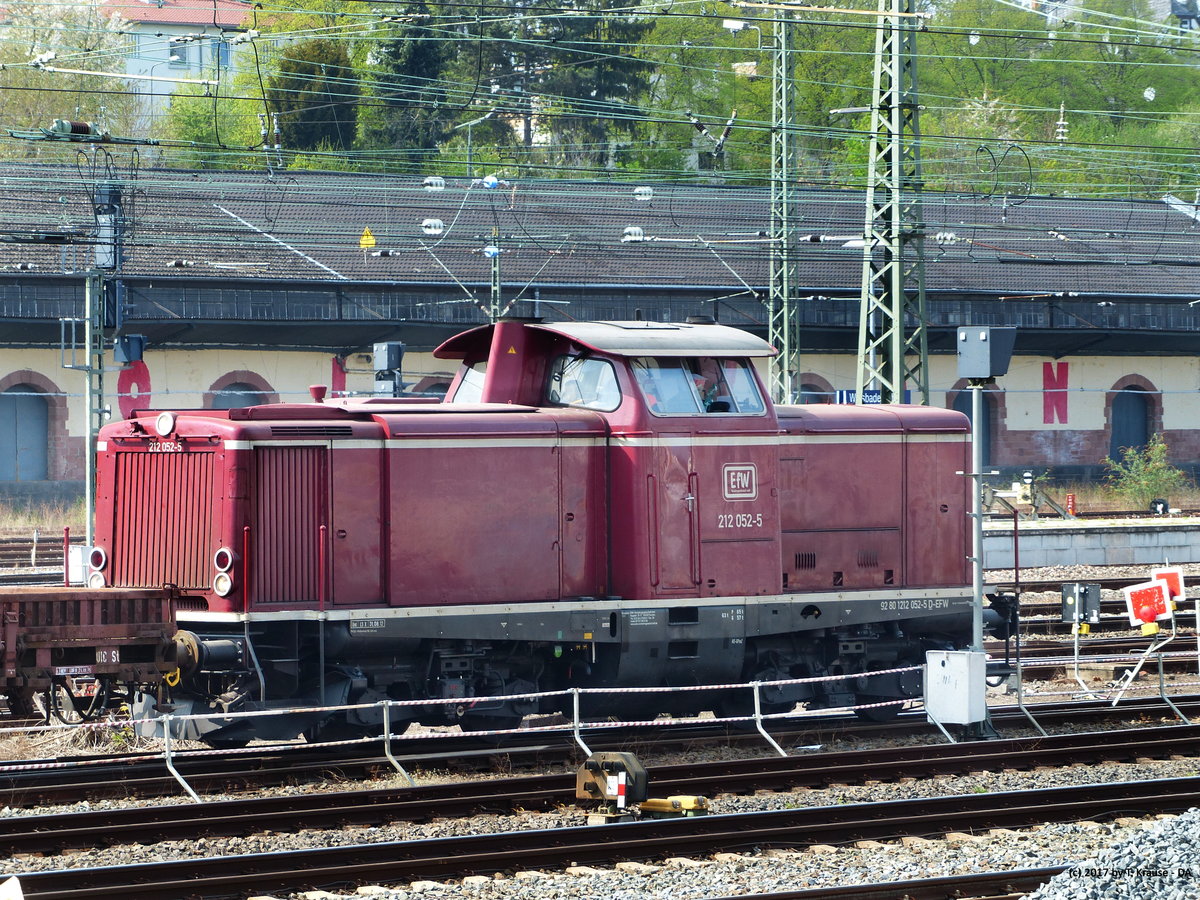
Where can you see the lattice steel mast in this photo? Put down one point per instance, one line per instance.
(782, 329)
(893, 279)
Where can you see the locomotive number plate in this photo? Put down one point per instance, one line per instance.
(107, 656)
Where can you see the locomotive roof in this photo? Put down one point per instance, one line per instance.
(629, 339)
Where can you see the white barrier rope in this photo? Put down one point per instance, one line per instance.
(167, 722)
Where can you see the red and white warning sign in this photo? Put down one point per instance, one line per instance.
(1173, 576)
(616, 788)
(1147, 602)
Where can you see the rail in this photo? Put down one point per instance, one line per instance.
(344, 866)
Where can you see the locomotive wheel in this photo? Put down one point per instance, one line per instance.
(741, 703)
(227, 744)
(876, 713)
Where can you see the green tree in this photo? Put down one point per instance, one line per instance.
(710, 68)
(978, 52)
(309, 86)
(560, 77)
(79, 36)
(216, 132)
(592, 74)
(411, 114)
(314, 92)
(992, 74)
(709, 72)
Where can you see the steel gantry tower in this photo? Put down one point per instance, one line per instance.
(783, 331)
(892, 340)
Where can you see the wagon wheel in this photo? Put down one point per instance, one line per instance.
(21, 703)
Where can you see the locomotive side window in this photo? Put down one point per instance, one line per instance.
(667, 386)
(470, 389)
(743, 389)
(584, 381)
(697, 384)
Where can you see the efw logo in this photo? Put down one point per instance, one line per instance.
(739, 482)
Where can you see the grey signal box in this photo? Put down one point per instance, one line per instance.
(388, 358)
(983, 351)
(388, 355)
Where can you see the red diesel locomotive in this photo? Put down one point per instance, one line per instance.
(593, 505)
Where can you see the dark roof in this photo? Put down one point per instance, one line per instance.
(563, 238)
(308, 226)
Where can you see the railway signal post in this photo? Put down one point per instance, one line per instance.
(983, 354)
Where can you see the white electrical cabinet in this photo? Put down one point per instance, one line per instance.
(956, 686)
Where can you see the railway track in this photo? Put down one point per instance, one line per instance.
(1117, 653)
(149, 824)
(343, 867)
(26, 552)
(42, 782)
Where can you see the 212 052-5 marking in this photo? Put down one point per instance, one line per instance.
(739, 520)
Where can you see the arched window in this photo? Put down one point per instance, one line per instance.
(238, 389)
(24, 434)
(814, 393)
(237, 395)
(962, 403)
(814, 389)
(1130, 420)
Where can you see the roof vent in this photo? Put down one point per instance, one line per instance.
(700, 320)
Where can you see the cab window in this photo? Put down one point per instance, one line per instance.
(667, 386)
(470, 388)
(584, 382)
(695, 385)
(743, 389)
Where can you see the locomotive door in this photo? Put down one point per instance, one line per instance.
(674, 496)
(356, 496)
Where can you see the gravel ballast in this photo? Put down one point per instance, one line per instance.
(1160, 862)
(720, 875)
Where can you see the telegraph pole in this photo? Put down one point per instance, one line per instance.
(893, 274)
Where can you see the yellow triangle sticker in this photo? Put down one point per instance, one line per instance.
(512, 350)
(367, 241)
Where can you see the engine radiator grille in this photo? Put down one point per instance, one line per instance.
(290, 499)
(163, 519)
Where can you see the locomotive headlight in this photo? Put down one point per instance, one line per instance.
(164, 424)
(224, 559)
(96, 580)
(222, 584)
(97, 558)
